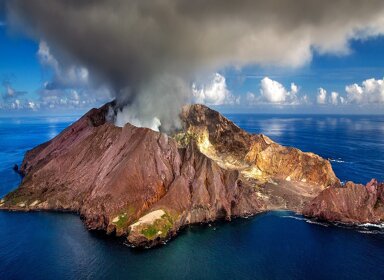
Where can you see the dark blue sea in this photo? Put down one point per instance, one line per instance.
(275, 245)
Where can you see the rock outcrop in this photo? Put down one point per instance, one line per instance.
(145, 185)
(352, 204)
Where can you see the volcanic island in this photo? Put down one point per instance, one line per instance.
(145, 185)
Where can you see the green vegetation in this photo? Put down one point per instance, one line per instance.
(150, 232)
(160, 227)
(124, 219)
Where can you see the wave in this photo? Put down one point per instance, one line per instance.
(306, 220)
(371, 231)
(380, 226)
(339, 160)
(294, 217)
(366, 228)
(317, 223)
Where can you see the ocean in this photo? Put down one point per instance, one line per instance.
(274, 245)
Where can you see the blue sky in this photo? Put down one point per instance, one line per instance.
(365, 61)
(249, 89)
(331, 72)
(19, 62)
(22, 71)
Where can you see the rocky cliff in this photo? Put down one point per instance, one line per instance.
(145, 185)
(352, 203)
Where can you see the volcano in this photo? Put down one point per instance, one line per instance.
(147, 185)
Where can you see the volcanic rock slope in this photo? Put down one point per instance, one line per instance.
(145, 185)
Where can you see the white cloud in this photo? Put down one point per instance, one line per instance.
(16, 104)
(52, 98)
(69, 87)
(274, 92)
(294, 88)
(214, 93)
(64, 76)
(32, 105)
(321, 96)
(334, 99)
(371, 91)
(14, 99)
(69, 98)
(45, 56)
(19, 104)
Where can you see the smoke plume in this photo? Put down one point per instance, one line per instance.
(149, 52)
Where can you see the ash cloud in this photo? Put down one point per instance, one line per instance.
(149, 52)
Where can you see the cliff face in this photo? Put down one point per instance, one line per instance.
(254, 155)
(352, 203)
(146, 185)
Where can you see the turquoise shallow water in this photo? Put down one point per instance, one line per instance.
(276, 245)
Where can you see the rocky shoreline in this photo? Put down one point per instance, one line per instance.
(145, 185)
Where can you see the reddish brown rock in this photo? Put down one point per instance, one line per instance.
(352, 203)
(146, 185)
